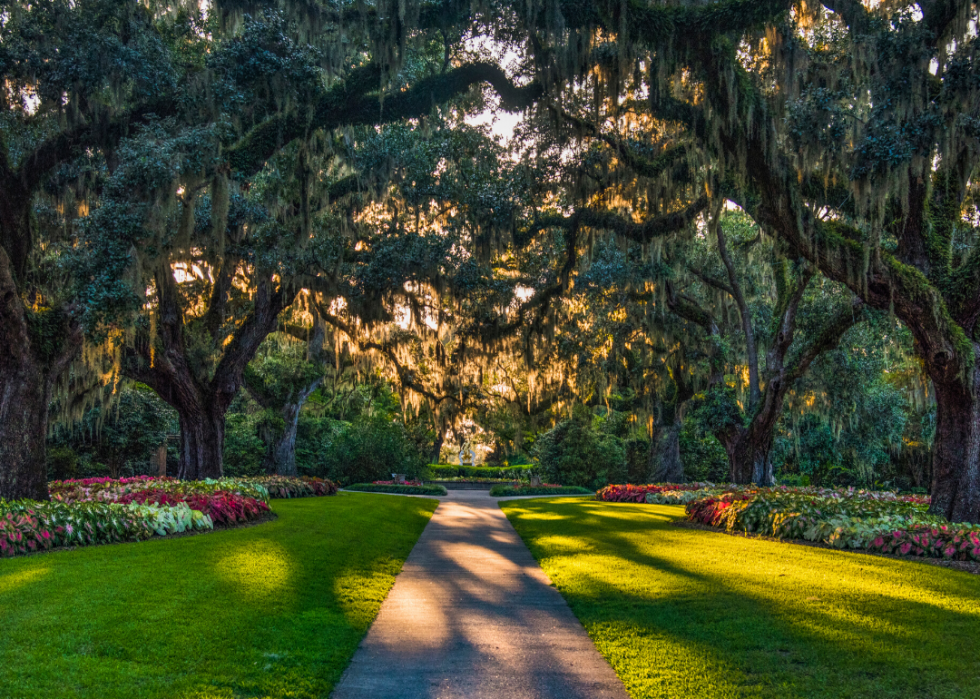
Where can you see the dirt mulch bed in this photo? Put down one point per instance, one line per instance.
(972, 567)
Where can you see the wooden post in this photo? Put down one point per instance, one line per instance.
(161, 459)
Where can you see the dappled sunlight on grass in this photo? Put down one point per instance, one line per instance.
(545, 516)
(273, 610)
(354, 588)
(260, 571)
(11, 579)
(683, 612)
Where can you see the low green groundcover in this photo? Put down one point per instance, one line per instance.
(488, 481)
(444, 471)
(273, 610)
(508, 490)
(684, 613)
(400, 489)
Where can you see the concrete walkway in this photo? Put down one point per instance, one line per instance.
(473, 615)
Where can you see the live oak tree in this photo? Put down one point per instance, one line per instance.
(298, 195)
(849, 133)
(183, 79)
(785, 318)
(892, 214)
(77, 77)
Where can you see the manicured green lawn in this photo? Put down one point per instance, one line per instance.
(689, 613)
(274, 610)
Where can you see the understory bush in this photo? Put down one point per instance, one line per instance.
(398, 489)
(703, 456)
(574, 453)
(371, 449)
(513, 490)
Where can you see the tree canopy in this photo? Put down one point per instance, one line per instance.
(702, 205)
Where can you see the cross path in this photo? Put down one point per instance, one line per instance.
(473, 615)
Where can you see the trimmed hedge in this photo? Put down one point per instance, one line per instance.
(508, 490)
(448, 471)
(398, 489)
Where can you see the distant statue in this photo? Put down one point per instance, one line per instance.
(462, 455)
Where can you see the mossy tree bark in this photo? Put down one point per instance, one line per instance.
(35, 348)
(748, 436)
(201, 394)
(666, 464)
(956, 456)
(280, 456)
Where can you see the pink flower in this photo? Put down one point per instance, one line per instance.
(905, 548)
(949, 551)
(878, 543)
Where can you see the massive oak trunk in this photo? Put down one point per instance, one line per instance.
(750, 453)
(280, 458)
(434, 457)
(956, 451)
(35, 348)
(25, 391)
(202, 437)
(200, 400)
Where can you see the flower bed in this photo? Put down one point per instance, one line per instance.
(884, 522)
(640, 493)
(543, 489)
(115, 490)
(105, 510)
(398, 488)
(225, 501)
(288, 487)
(222, 507)
(27, 526)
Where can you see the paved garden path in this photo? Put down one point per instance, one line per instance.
(473, 615)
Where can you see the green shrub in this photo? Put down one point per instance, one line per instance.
(573, 453)
(499, 491)
(402, 489)
(118, 439)
(244, 450)
(62, 463)
(703, 456)
(314, 439)
(371, 449)
(637, 460)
